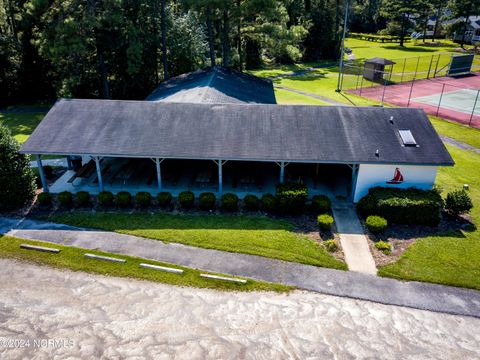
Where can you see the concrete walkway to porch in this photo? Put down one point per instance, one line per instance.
(354, 242)
(350, 284)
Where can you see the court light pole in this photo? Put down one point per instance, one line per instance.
(342, 47)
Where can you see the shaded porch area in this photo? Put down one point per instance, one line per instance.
(95, 174)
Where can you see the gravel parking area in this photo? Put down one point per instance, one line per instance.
(94, 316)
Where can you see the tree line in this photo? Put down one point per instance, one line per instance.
(123, 48)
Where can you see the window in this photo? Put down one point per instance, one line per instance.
(407, 138)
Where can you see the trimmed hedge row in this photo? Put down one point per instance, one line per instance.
(206, 201)
(403, 206)
(378, 37)
(291, 198)
(321, 204)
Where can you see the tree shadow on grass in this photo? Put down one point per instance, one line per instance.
(448, 227)
(190, 220)
(305, 77)
(21, 124)
(409, 49)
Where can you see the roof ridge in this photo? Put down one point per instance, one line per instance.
(209, 82)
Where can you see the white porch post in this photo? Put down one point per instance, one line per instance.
(282, 172)
(159, 173)
(282, 165)
(220, 164)
(355, 168)
(220, 177)
(99, 172)
(42, 174)
(69, 163)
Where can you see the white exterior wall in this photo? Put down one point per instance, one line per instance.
(422, 177)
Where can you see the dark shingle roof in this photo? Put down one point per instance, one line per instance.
(380, 61)
(215, 85)
(236, 131)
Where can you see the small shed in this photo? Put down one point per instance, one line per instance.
(374, 69)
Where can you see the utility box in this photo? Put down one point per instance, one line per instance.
(374, 69)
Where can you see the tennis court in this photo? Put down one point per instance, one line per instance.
(453, 98)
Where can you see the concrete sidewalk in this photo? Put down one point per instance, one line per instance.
(350, 284)
(354, 242)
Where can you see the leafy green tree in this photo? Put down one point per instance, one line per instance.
(10, 66)
(438, 6)
(464, 9)
(186, 42)
(322, 41)
(16, 178)
(78, 38)
(399, 11)
(365, 16)
(424, 10)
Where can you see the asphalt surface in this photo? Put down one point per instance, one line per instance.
(350, 284)
(459, 144)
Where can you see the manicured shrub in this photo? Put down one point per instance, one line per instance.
(368, 205)
(44, 199)
(123, 199)
(164, 199)
(36, 174)
(206, 201)
(325, 222)
(17, 181)
(186, 199)
(230, 202)
(269, 203)
(376, 224)
(331, 245)
(403, 206)
(321, 204)
(458, 202)
(384, 247)
(82, 198)
(65, 198)
(143, 199)
(251, 202)
(291, 198)
(105, 198)
(48, 171)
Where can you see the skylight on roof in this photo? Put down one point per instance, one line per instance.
(407, 138)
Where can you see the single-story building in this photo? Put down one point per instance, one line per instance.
(215, 85)
(236, 147)
(472, 32)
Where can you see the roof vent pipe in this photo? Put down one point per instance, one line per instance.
(377, 153)
(391, 120)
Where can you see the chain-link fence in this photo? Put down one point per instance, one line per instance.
(418, 82)
(402, 70)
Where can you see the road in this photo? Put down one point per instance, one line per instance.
(92, 316)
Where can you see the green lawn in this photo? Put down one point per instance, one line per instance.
(364, 49)
(462, 133)
(249, 235)
(73, 258)
(323, 81)
(21, 125)
(285, 97)
(451, 259)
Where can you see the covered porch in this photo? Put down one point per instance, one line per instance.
(153, 175)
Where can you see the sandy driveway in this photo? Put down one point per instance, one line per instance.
(102, 317)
